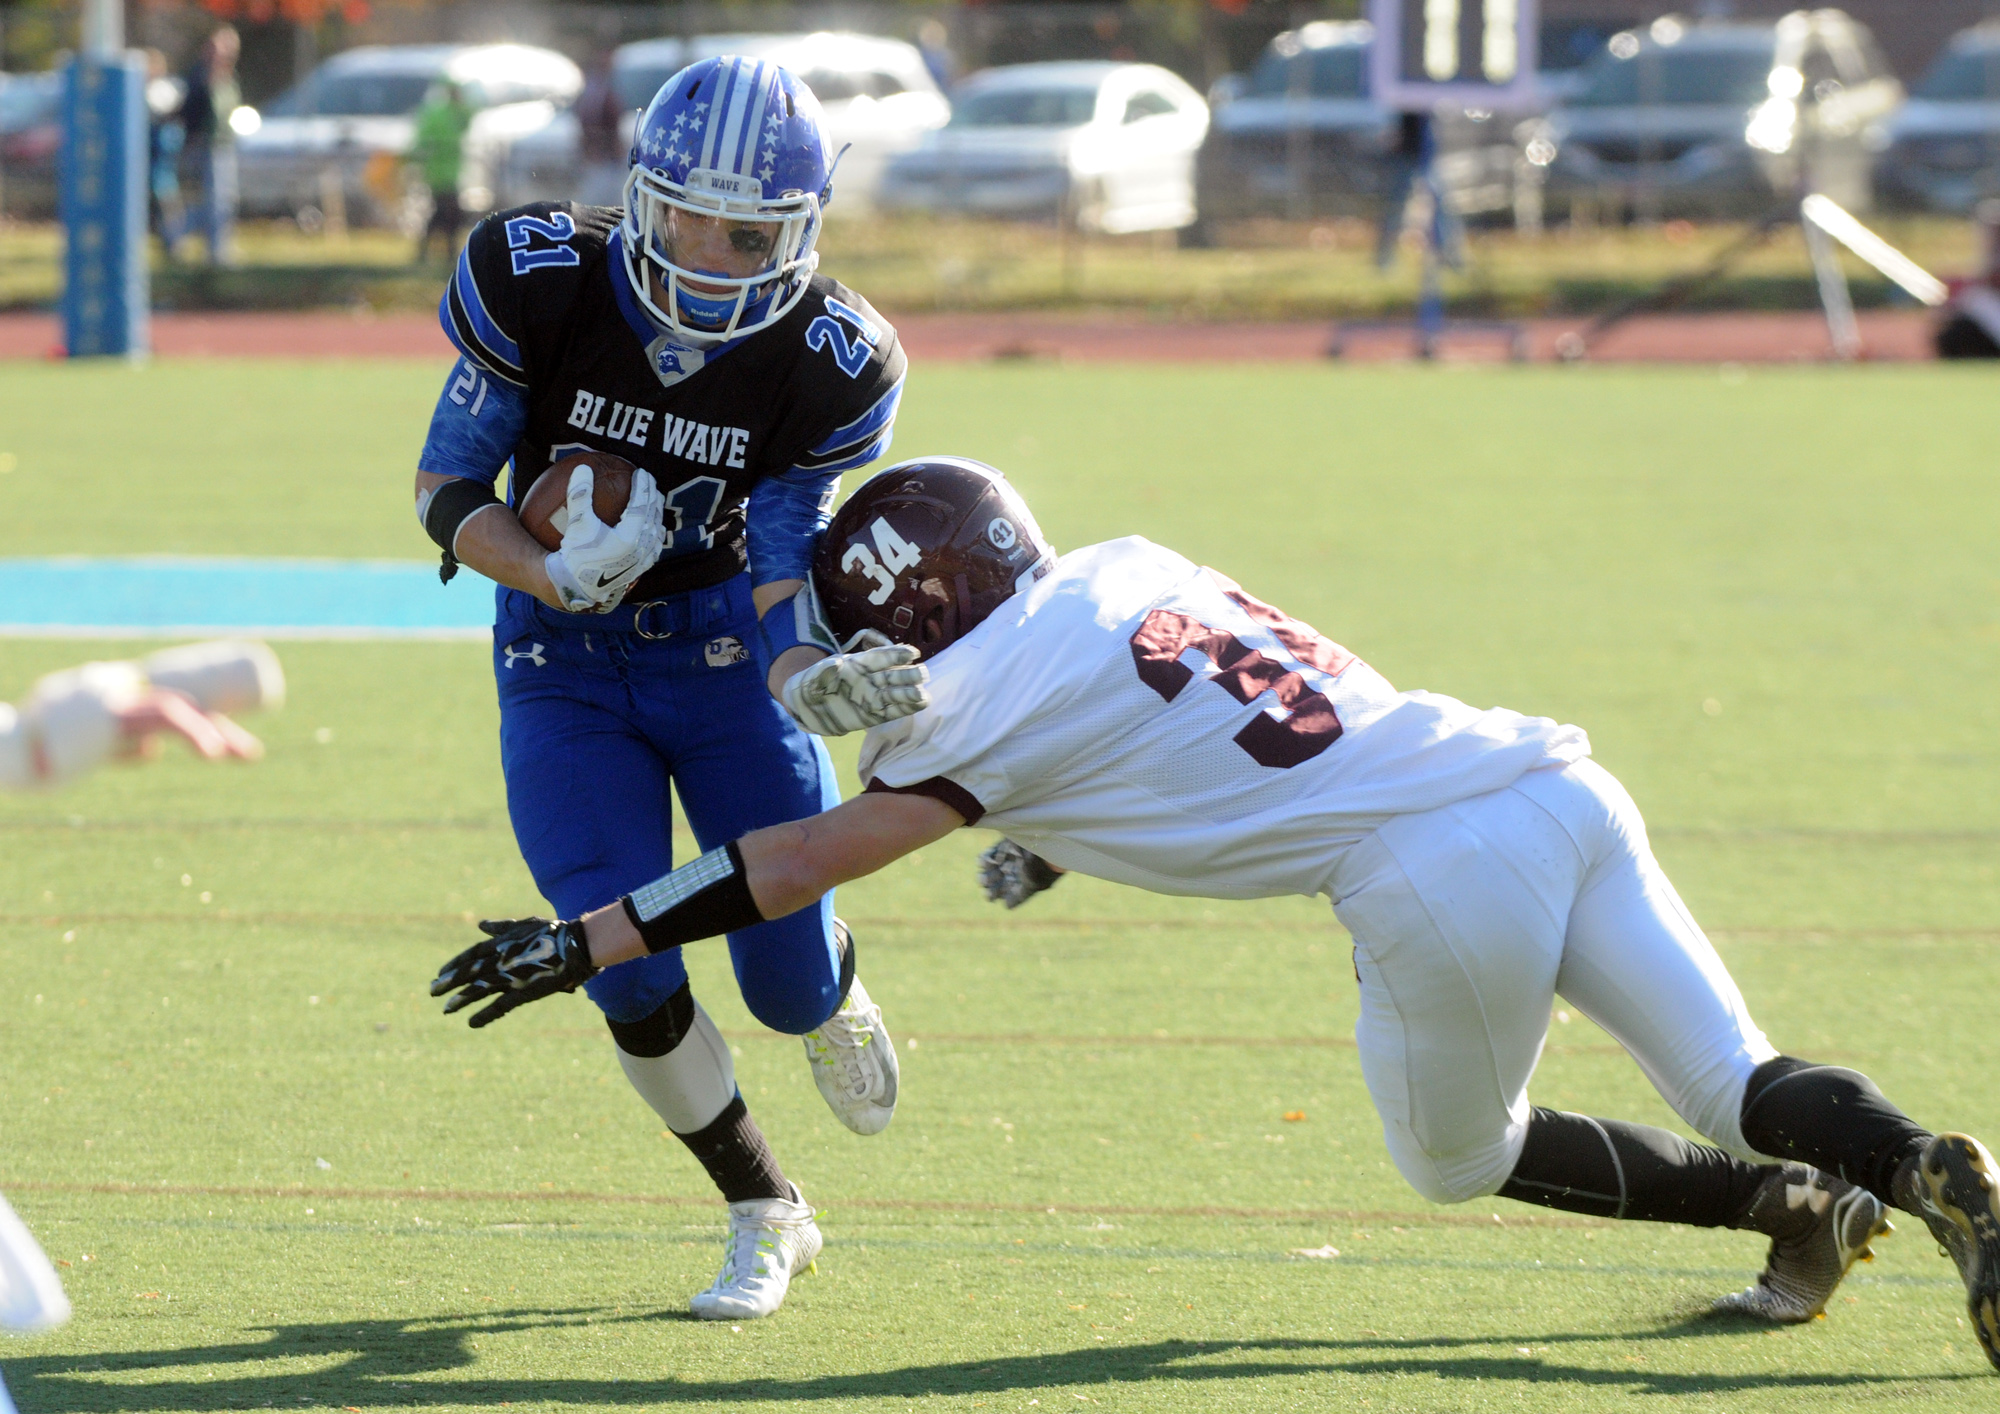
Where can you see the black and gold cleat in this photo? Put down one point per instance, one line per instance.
(1959, 1188)
(1819, 1227)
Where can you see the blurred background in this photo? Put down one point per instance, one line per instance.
(1191, 159)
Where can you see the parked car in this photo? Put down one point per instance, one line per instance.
(1107, 146)
(349, 123)
(30, 135)
(878, 96)
(1300, 135)
(1712, 119)
(1942, 149)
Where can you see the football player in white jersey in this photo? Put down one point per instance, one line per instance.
(69, 723)
(1129, 714)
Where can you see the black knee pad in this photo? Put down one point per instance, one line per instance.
(1830, 1117)
(656, 1035)
(843, 940)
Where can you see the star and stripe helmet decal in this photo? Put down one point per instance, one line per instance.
(742, 140)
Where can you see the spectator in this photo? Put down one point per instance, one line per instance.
(165, 138)
(604, 146)
(439, 152)
(932, 44)
(210, 151)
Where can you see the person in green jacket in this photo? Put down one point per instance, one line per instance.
(439, 152)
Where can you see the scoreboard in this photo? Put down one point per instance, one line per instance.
(1478, 53)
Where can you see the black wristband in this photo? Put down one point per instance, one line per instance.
(450, 506)
(700, 900)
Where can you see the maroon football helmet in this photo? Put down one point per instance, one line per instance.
(922, 553)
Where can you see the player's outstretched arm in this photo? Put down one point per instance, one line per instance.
(75, 719)
(764, 875)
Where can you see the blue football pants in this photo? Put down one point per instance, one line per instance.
(594, 723)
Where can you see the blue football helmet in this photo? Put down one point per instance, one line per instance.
(738, 140)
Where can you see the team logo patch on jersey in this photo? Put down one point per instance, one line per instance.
(672, 362)
(725, 651)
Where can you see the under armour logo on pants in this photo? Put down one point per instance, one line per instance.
(533, 655)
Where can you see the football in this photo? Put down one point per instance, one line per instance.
(545, 510)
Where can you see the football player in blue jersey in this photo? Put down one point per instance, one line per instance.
(690, 334)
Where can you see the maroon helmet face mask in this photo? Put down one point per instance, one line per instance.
(924, 552)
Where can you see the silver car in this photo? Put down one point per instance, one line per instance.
(1300, 135)
(1105, 146)
(341, 134)
(1942, 150)
(1714, 119)
(878, 97)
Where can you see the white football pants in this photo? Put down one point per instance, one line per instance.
(1470, 919)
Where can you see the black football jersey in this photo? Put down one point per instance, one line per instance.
(541, 300)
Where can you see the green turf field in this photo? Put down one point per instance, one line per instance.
(280, 1180)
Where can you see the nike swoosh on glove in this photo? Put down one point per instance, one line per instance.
(522, 960)
(851, 692)
(597, 562)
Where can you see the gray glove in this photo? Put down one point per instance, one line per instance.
(853, 692)
(1013, 875)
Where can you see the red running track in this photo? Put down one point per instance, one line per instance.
(1889, 335)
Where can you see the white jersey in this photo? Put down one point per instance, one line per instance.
(1135, 716)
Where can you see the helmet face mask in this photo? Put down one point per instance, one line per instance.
(925, 552)
(722, 205)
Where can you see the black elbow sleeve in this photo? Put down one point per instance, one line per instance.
(703, 899)
(450, 507)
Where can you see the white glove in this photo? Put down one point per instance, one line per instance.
(597, 562)
(851, 692)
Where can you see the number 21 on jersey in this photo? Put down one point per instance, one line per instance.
(826, 333)
(535, 242)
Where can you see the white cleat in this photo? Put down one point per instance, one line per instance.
(771, 1240)
(854, 1063)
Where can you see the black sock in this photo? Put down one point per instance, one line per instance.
(1832, 1118)
(733, 1150)
(1610, 1169)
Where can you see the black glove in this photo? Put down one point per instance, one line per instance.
(1013, 875)
(522, 960)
